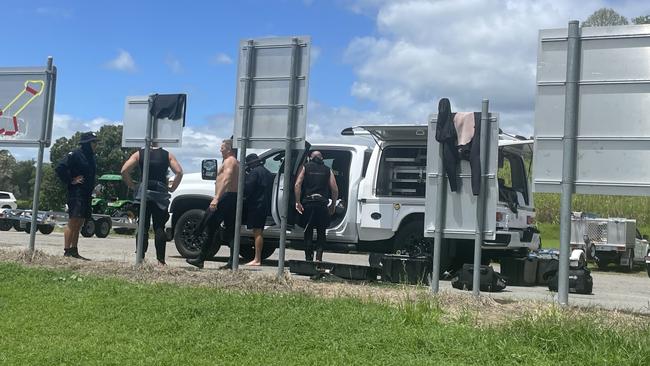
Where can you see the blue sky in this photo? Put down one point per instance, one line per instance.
(373, 61)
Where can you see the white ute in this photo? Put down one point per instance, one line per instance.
(381, 200)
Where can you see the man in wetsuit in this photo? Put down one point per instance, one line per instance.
(315, 185)
(257, 193)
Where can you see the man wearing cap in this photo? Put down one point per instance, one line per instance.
(77, 170)
(257, 193)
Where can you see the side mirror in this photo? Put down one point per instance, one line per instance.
(209, 169)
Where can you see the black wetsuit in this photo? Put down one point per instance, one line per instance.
(158, 168)
(316, 192)
(78, 162)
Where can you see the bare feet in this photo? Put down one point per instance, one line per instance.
(253, 263)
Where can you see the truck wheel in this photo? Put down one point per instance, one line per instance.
(267, 251)
(5, 225)
(246, 251)
(88, 228)
(103, 228)
(410, 240)
(46, 229)
(28, 227)
(603, 264)
(647, 267)
(187, 244)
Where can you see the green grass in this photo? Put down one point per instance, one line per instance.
(53, 317)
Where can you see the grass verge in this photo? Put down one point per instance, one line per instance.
(62, 317)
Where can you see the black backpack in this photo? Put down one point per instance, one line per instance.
(490, 281)
(580, 281)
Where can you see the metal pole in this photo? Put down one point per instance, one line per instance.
(243, 145)
(569, 156)
(480, 200)
(39, 161)
(139, 255)
(286, 184)
(438, 237)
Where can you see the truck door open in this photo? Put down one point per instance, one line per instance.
(299, 158)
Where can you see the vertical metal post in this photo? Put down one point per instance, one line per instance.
(480, 200)
(243, 145)
(438, 237)
(571, 103)
(286, 184)
(39, 161)
(139, 255)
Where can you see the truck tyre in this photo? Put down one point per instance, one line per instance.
(647, 267)
(187, 244)
(602, 264)
(102, 228)
(88, 228)
(410, 240)
(5, 225)
(46, 229)
(28, 227)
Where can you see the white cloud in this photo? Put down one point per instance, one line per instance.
(174, 64)
(123, 62)
(221, 59)
(465, 50)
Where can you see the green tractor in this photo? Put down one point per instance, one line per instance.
(110, 198)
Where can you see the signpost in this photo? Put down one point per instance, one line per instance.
(271, 108)
(461, 214)
(592, 112)
(162, 127)
(27, 101)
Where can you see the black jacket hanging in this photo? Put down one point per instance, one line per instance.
(446, 135)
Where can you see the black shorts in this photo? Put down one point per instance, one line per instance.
(256, 218)
(79, 207)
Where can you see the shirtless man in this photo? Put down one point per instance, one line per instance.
(224, 204)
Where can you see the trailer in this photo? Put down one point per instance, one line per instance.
(98, 225)
(609, 240)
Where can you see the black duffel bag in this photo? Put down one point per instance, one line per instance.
(490, 281)
(580, 281)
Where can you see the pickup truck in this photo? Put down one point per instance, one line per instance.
(381, 201)
(7, 200)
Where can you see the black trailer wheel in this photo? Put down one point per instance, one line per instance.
(88, 228)
(5, 225)
(28, 227)
(102, 227)
(16, 225)
(46, 229)
(188, 244)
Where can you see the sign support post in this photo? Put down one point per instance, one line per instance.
(139, 257)
(243, 145)
(39, 162)
(480, 204)
(569, 156)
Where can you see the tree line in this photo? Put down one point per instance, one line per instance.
(18, 177)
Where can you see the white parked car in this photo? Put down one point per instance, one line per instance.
(7, 200)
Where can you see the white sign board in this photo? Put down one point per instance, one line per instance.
(264, 91)
(165, 132)
(460, 215)
(26, 106)
(613, 133)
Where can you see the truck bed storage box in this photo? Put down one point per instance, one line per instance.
(490, 281)
(405, 269)
(519, 271)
